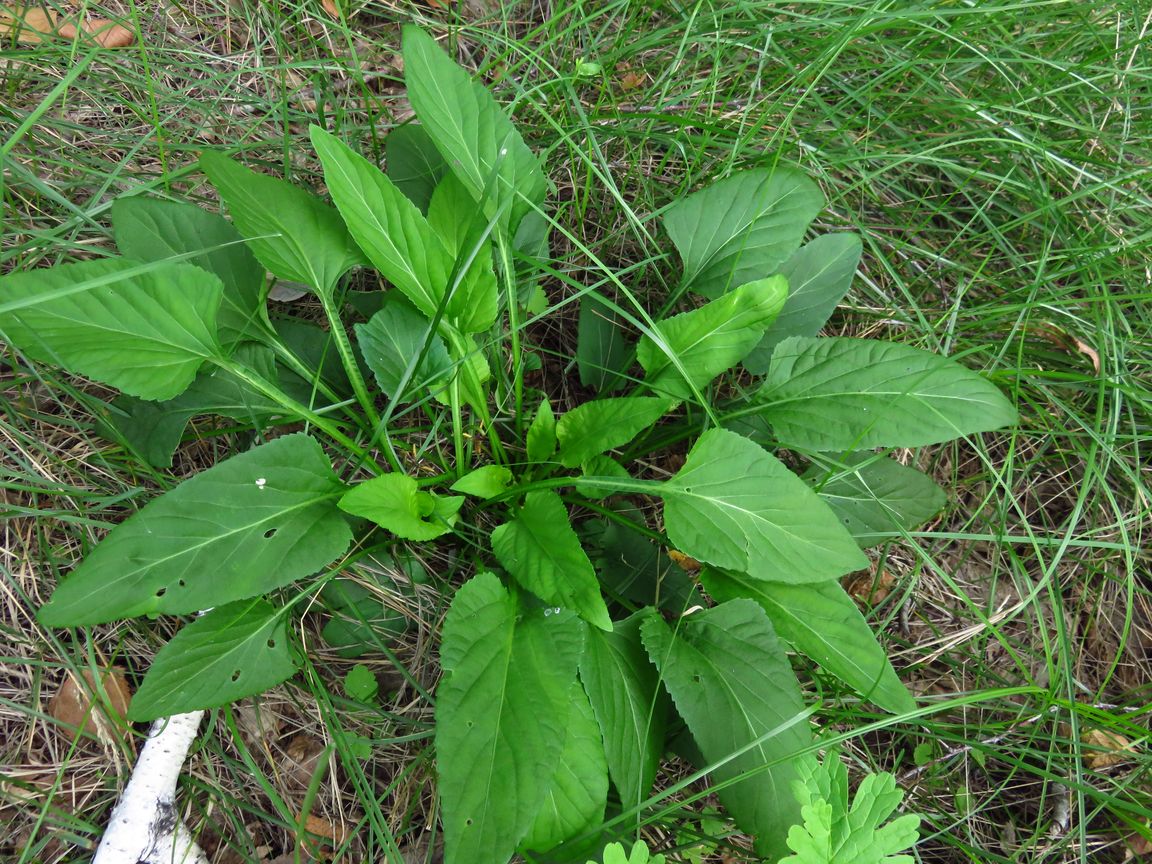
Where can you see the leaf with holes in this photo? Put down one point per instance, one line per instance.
(142, 328)
(294, 234)
(540, 549)
(733, 685)
(233, 651)
(742, 228)
(594, 427)
(395, 502)
(849, 394)
(472, 133)
(735, 505)
(154, 230)
(252, 523)
(501, 712)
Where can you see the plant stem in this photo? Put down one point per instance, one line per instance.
(508, 274)
(290, 405)
(344, 349)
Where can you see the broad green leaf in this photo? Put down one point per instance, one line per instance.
(579, 792)
(453, 217)
(154, 429)
(736, 506)
(294, 234)
(245, 526)
(822, 622)
(361, 684)
(710, 339)
(541, 438)
(848, 394)
(634, 568)
(486, 482)
(151, 229)
(603, 352)
(233, 651)
(472, 133)
(742, 228)
(594, 427)
(876, 497)
(630, 707)
(392, 340)
(834, 833)
(395, 502)
(501, 716)
(143, 331)
(732, 683)
(540, 549)
(399, 241)
(819, 275)
(452, 213)
(415, 166)
(614, 854)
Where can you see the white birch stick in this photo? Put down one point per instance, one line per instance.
(145, 827)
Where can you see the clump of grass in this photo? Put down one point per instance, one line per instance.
(997, 163)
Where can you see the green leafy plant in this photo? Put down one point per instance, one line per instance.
(836, 832)
(576, 645)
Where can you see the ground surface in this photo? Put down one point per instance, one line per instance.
(995, 158)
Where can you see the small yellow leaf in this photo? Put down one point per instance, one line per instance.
(685, 562)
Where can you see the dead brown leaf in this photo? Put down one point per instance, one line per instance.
(1137, 846)
(632, 81)
(302, 759)
(870, 589)
(333, 9)
(1106, 748)
(78, 707)
(320, 837)
(32, 25)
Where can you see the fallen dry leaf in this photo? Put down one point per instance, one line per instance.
(34, 24)
(79, 707)
(869, 589)
(332, 8)
(1106, 749)
(1137, 846)
(631, 81)
(302, 759)
(1061, 338)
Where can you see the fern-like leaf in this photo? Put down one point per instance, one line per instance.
(833, 832)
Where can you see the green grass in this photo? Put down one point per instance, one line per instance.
(995, 158)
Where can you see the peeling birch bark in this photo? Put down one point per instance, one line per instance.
(145, 827)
